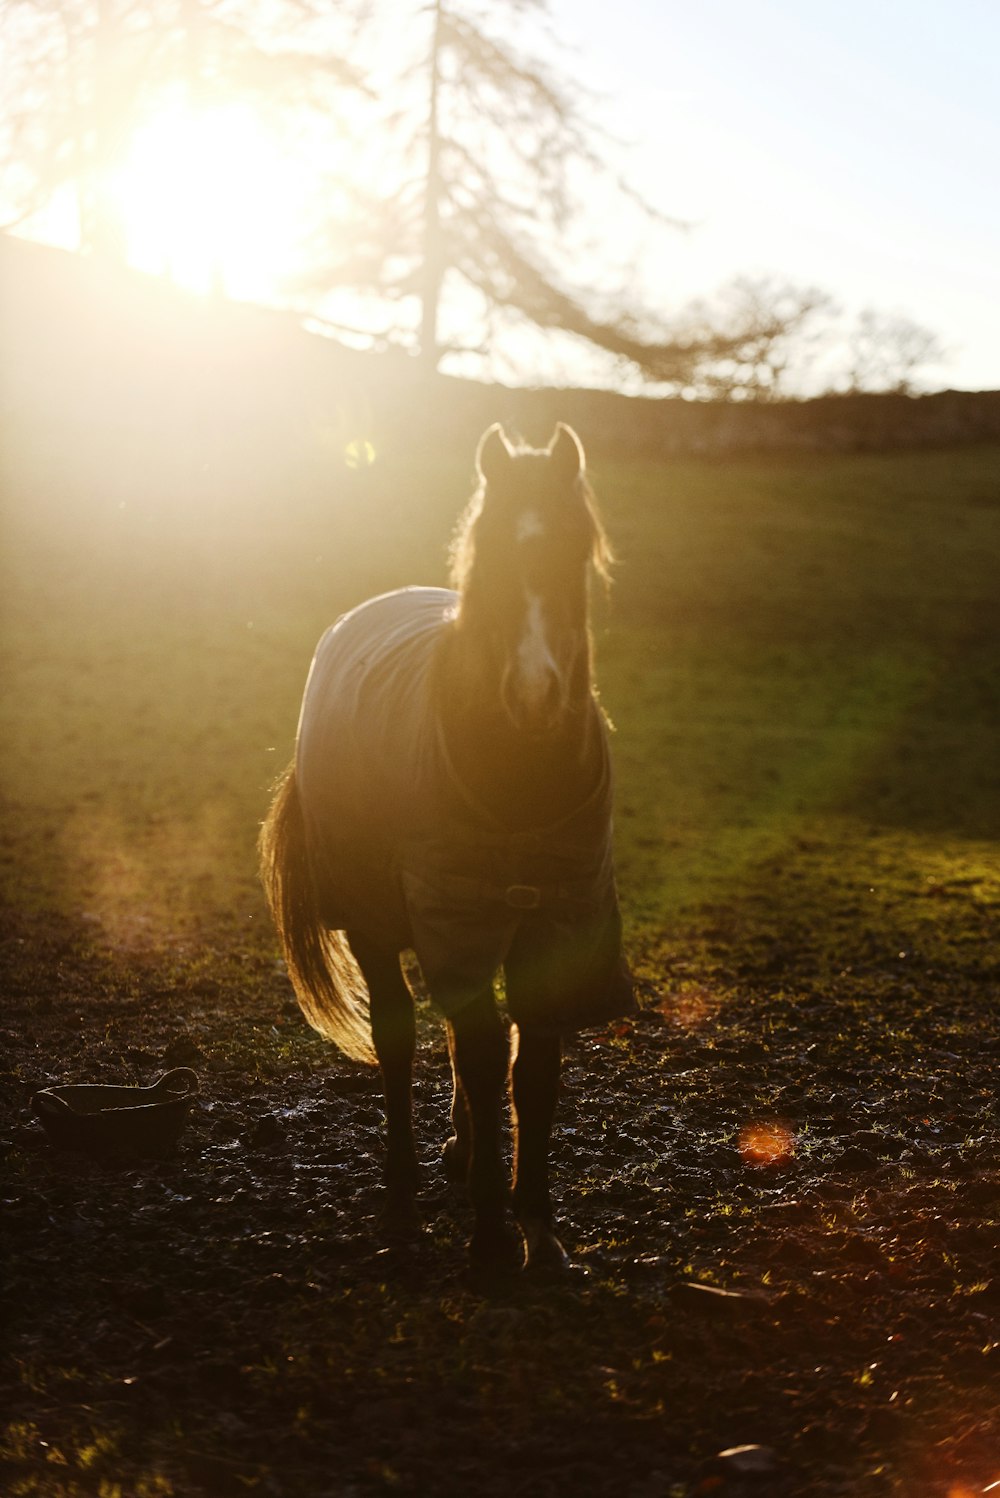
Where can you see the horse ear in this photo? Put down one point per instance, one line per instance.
(493, 455)
(566, 452)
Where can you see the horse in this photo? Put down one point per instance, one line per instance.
(451, 795)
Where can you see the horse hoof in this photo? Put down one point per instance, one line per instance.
(399, 1218)
(456, 1161)
(543, 1253)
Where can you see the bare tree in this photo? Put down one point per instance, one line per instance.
(78, 79)
(40, 124)
(886, 351)
(482, 226)
(461, 210)
(772, 330)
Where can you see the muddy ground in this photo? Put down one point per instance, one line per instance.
(230, 1318)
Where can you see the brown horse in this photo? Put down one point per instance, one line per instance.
(451, 793)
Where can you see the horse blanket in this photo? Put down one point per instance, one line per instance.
(400, 850)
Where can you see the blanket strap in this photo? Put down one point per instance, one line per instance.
(523, 896)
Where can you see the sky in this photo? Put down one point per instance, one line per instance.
(851, 146)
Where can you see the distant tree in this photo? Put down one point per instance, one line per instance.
(769, 329)
(886, 350)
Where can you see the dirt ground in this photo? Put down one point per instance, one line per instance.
(781, 1192)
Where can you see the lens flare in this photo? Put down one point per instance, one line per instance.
(766, 1142)
(690, 1008)
(359, 453)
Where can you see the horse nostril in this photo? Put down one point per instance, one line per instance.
(534, 703)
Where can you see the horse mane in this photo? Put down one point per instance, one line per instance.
(462, 552)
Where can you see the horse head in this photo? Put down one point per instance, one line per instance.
(522, 569)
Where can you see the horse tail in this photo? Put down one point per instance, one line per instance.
(328, 983)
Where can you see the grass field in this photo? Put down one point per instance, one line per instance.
(799, 657)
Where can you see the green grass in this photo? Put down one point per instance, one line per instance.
(800, 662)
(798, 656)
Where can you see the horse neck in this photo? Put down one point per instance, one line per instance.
(523, 780)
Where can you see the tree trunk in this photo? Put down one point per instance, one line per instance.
(432, 270)
(104, 230)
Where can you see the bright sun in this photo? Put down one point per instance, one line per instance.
(207, 197)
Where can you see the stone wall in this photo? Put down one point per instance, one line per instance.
(668, 428)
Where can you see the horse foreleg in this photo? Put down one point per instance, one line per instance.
(480, 1050)
(534, 1090)
(394, 1036)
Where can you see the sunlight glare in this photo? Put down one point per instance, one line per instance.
(207, 198)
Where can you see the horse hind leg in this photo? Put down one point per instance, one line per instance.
(534, 1091)
(394, 1037)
